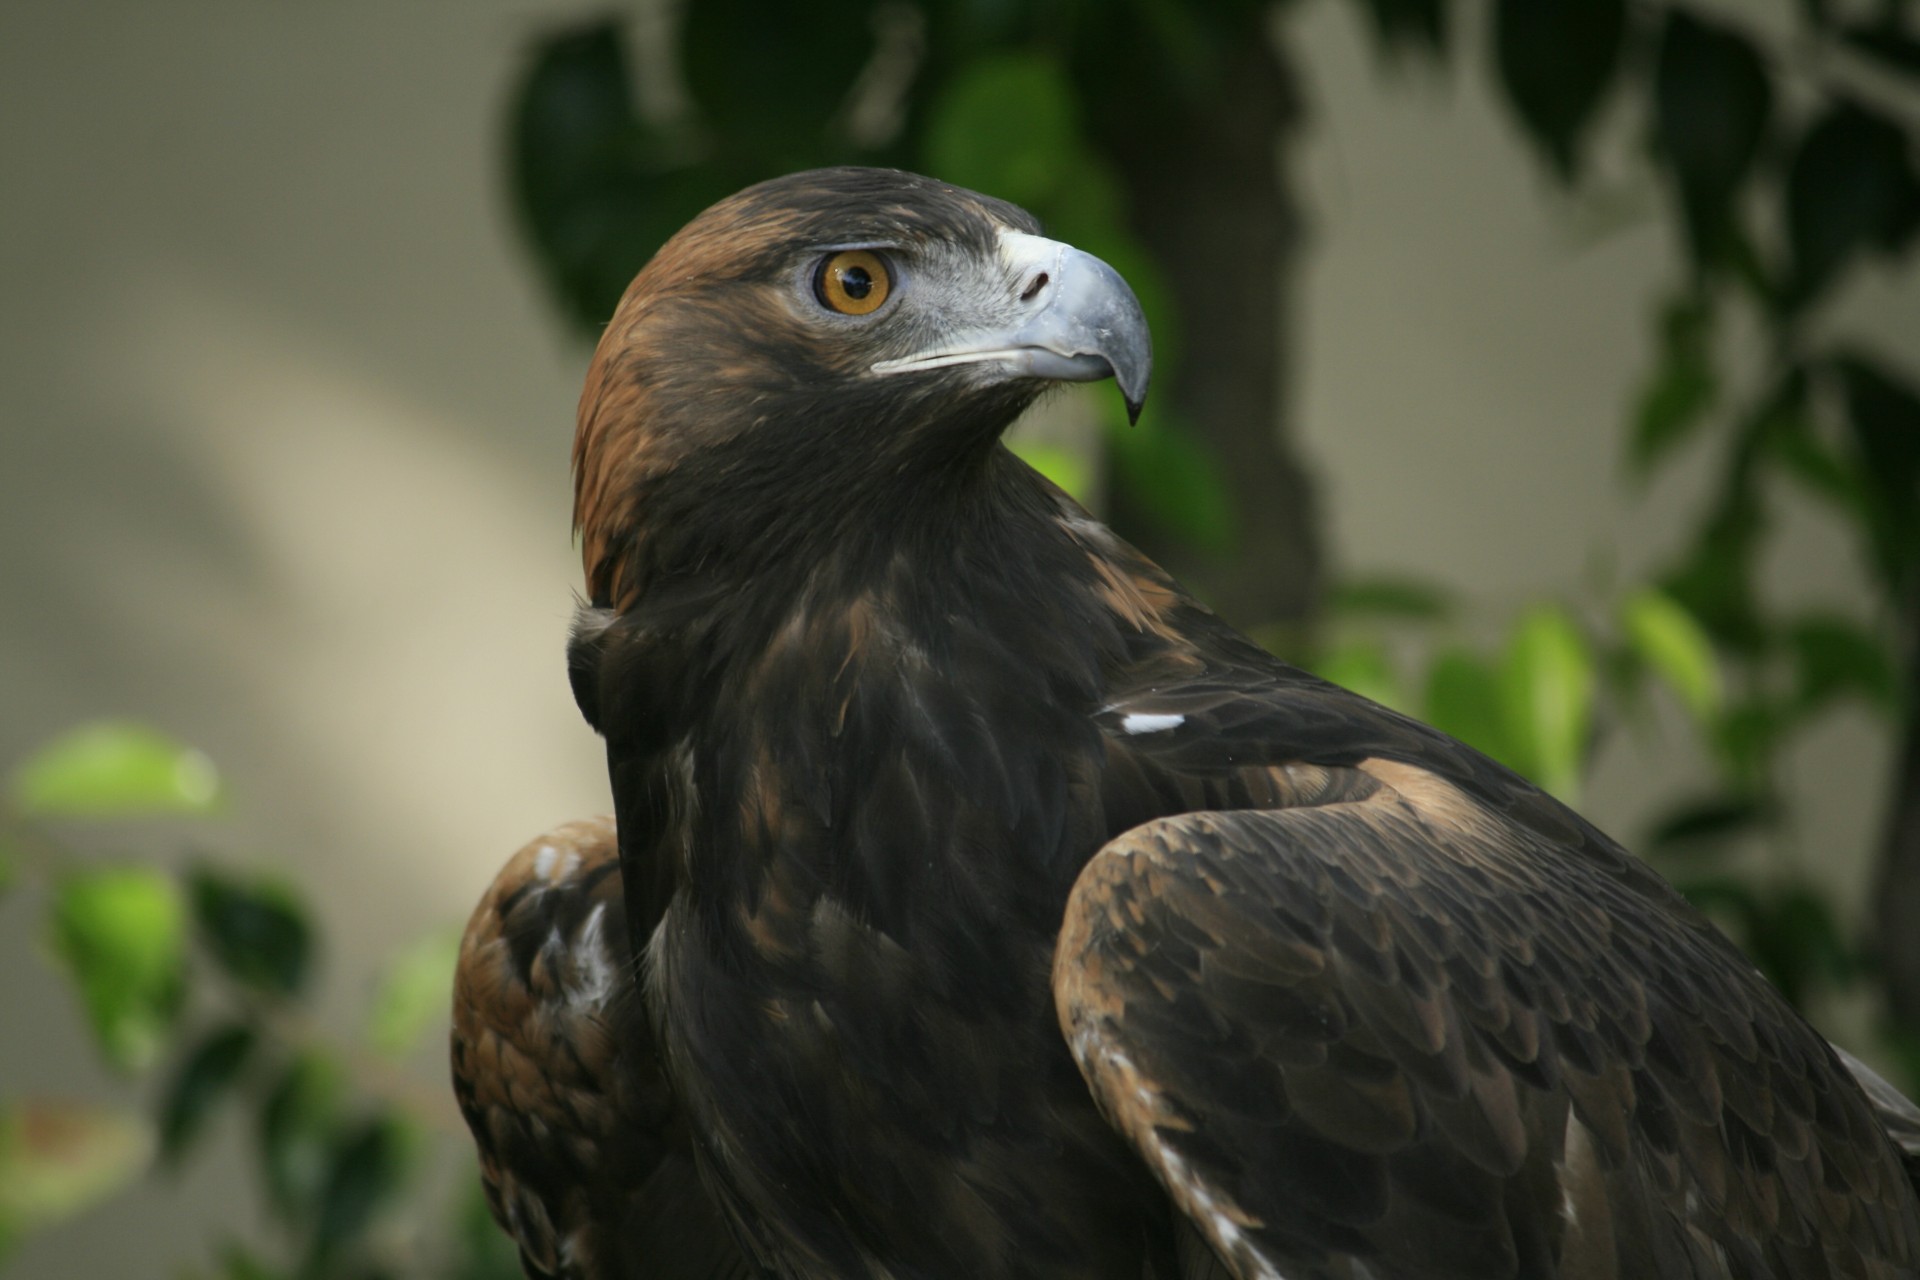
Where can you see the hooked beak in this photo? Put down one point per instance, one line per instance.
(1074, 320)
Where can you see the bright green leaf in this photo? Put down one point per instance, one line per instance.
(256, 929)
(415, 994)
(1547, 689)
(209, 1071)
(296, 1127)
(1675, 646)
(1362, 666)
(1464, 699)
(113, 770)
(121, 933)
(1064, 467)
(58, 1158)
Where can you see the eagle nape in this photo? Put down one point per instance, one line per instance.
(977, 903)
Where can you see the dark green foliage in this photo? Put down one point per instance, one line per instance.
(206, 1074)
(596, 189)
(296, 1119)
(368, 1166)
(1556, 59)
(1712, 103)
(768, 81)
(255, 930)
(1883, 412)
(1409, 26)
(1837, 657)
(1887, 42)
(1703, 825)
(1851, 185)
(1683, 384)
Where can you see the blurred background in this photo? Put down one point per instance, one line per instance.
(1547, 370)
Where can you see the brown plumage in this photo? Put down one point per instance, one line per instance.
(993, 909)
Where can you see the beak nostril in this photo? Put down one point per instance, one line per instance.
(1033, 289)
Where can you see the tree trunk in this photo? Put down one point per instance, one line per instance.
(1209, 200)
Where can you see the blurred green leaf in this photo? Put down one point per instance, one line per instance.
(1835, 657)
(1714, 581)
(114, 770)
(1883, 413)
(1707, 823)
(256, 929)
(1712, 102)
(1796, 940)
(1886, 42)
(1849, 186)
(770, 80)
(296, 1129)
(1669, 640)
(481, 1250)
(1361, 666)
(1005, 123)
(366, 1173)
(1729, 898)
(121, 934)
(1404, 599)
(1746, 736)
(1787, 436)
(209, 1071)
(1175, 482)
(596, 190)
(1555, 62)
(1464, 698)
(237, 1262)
(1408, 26)
(1682, 386)
(59, 1158)
(1064, 467)
(1547, 685)
(414, 994)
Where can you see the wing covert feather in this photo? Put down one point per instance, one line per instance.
(1400, 1035)
(585, 1156)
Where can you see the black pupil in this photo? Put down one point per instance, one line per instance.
(855, 282)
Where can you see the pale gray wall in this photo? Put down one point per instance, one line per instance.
(284, 423)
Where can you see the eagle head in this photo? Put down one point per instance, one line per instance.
(822, 339)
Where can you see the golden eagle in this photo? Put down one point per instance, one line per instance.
(982, 905)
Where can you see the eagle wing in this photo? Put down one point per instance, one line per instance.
(586, 1159)
(1386, 1010)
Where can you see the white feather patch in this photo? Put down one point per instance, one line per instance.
(1143, 722)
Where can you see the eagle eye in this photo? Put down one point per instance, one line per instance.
(853, 282)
